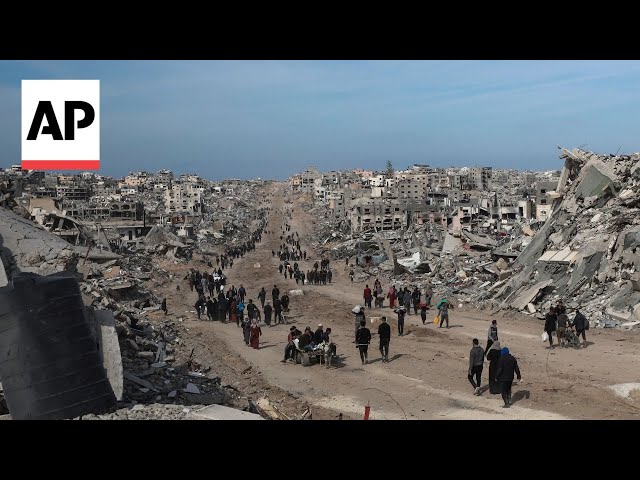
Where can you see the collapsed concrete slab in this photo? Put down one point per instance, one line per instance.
(24, 247)
(220, 412)
(529, 294)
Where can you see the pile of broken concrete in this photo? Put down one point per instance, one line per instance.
(588, 251)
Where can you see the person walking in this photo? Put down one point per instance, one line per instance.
(367, 296)
(562, 323)
(406, 300)
(550, 322)
(507, 367)
(163, 306)
(391, 295)
(384, 332)
(246, 330)
(401, 312)
(262, 295)
(363, 338)
(268, 309)
(254, 335)
(415, 298)
(359, 313)
(476, 361)
(443, 307)
(423, 312)
(493, 355)
(492, 335)
(581, 324)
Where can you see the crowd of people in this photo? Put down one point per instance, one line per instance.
(231, 305)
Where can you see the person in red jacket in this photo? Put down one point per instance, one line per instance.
(367, 296)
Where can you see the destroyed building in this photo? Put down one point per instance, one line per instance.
(587, 252)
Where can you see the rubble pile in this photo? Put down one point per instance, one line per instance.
(26, 248)
(588, 251)
(151, 372)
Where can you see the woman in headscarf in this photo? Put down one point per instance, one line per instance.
(246, 330)
(493, 355)
(392, 296)
(255, 333)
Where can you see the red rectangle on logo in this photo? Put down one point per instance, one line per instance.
(61, 164)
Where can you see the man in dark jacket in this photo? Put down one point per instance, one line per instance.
(262, 295)
(384, 332)
(306, 340)
(415, 297)
(362, 340)
(275, 293)
(550, 324)
(284, 301)
(277, 309)
(581, 324)
(507, 366)
(476, 361)
(401, 312)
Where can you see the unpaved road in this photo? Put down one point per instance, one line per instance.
(426, 378)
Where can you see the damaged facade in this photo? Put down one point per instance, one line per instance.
(521, 242)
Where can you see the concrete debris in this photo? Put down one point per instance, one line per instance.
(220, 412)
(586, 252)
(191, 388)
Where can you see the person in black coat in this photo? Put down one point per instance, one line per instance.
(267, 314)
(507, 367)
(363, 339)
(384, 332)
(493, 355)
(580, 323)
(550, 322)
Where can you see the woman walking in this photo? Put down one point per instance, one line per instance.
(255, 333)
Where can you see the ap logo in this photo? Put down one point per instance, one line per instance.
(61, 124)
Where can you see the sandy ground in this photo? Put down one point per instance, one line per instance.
(426, 377)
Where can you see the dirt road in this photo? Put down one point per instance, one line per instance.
(426, 377)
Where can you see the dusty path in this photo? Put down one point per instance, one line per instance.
(426, 378)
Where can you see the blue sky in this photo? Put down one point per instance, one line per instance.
(269, 119)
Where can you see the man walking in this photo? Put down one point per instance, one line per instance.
(415, 297)
(401, 311)
(384, 332)
(507, 366)
(262, 295)
(443, 307)
(581, 324)
(163, 307)
(367, 296)
(406, 299)
(362, 340)
(492, 335)
(476, 360)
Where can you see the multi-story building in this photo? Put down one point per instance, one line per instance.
(184, 197)
(73, 192)
(378, 213)
(481, 177)
(410, 189)
(543, 199)
(308, 178)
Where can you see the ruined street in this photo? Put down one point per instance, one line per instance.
(426, 377)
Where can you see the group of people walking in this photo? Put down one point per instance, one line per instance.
(503, 366)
